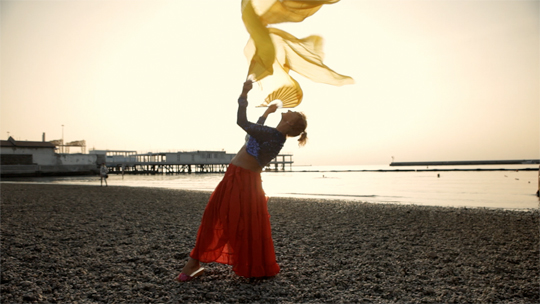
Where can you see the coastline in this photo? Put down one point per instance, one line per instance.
(66, 243)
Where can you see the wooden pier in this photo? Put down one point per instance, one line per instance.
(131, 162)
(282, 160)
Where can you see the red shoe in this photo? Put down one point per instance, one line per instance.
(184, 277)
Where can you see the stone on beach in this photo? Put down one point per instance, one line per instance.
(63, 243)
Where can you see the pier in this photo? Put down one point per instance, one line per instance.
(282, 160)
(131, 162)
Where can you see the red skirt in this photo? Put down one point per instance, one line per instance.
(235, 227)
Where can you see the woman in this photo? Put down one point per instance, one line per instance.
(235, 228)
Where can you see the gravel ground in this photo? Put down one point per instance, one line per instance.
(85, 244)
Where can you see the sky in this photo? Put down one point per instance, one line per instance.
(437, 80)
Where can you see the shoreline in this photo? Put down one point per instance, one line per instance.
(65, 243)
(308, 196)
(420, 167)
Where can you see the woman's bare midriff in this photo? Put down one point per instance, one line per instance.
(246, 161)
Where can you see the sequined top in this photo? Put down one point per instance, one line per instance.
(265, 142)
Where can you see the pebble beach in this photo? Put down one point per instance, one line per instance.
(92, 244)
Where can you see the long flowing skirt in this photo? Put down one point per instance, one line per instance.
(235, 227)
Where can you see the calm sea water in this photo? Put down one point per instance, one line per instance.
(514, 189)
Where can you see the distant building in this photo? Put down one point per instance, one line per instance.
(35, 158)
(26, 152)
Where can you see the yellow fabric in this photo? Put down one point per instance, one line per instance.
(290, 10)
(305, 56)
(275, 52)
(280, 85)
(263, 56)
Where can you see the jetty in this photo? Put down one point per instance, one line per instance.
(132, 162)
(468, 163)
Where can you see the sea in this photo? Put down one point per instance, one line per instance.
(511, 187)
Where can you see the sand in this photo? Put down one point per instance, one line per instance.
(86, 244)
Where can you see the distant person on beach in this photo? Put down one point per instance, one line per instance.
(235, 227)
(103, 174)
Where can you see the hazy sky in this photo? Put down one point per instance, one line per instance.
(435, 80)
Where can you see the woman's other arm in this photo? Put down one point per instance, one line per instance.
(271, 109)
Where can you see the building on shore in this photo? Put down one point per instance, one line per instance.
(39, 158)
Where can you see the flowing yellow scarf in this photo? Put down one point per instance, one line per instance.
(273, 53)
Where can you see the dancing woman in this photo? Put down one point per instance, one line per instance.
(235, 227)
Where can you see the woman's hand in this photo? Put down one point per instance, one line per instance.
(248, 85)
(271, 109)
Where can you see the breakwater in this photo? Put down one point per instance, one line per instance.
(468, 163)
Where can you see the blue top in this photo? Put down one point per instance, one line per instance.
(265, 142)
